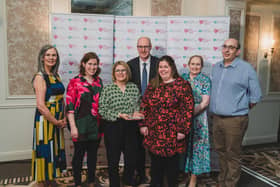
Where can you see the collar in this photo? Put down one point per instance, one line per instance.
(148, 61)
(233, 64)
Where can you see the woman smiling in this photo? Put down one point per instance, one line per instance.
(119, 105)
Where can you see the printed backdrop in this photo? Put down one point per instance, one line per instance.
(114, 38)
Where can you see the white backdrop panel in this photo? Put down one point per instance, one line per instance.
(115, 38)
(203, 36)
(128, 29)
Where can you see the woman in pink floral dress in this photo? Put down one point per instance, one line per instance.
(82, 111)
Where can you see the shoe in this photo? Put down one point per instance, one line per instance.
(142, 180)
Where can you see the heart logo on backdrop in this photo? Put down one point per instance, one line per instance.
(85, 20)
(186, 30)
(100, 46)
(184, 65)
(70, 28)
(71, 63)
(128, 47)
(186, 48)
(157, 31)
(200, 39)
(115, 55)
(85, 37)
(171, 21)
(216, 30)
(157, 47)
(215, 48)
(70, 45)
(143, 22)
(55, 18)
(100, 29)
(55, 36)
(201, 21)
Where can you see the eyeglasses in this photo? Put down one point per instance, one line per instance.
(230, 47)
(143, 46)
(120, 70)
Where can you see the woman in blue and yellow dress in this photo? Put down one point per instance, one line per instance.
(48, 153)
(198, 153)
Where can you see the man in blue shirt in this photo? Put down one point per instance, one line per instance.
(235, 90)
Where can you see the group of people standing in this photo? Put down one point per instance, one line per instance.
(148, 106)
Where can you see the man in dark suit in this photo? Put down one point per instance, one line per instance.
(143, 70)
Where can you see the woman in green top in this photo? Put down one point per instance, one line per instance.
(118, 106)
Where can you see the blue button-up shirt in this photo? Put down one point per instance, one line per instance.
(233, 88)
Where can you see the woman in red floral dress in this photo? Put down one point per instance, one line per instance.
(82, 111)
(168, 109)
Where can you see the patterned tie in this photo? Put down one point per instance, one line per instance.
(144, 79)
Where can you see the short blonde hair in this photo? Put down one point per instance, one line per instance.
(121, 63)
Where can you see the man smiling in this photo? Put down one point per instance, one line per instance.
(235, 90)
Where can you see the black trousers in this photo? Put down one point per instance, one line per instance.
(120, 136)
(141, 156)
(161, 166)
(79, 151)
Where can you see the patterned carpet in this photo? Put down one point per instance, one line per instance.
(263, 163)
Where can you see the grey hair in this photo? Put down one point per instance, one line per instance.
(41, 67)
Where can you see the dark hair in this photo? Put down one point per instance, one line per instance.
(198, 56)
(85, 59)
(125, 65)
(41, 67)
(238, 44)
(174, 73)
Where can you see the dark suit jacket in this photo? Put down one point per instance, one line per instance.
(135, 70)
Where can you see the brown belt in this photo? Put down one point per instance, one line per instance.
(222, 116)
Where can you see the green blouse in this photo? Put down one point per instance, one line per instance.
(113, 101)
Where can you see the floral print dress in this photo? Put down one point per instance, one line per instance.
(198, 154)
(168, 110)
(82, 99)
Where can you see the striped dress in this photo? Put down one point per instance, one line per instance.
(48, 152)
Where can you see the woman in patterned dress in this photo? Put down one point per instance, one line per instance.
(198, 154)
(48, 153)
(119, 105)
(168, 109)
(82, 99)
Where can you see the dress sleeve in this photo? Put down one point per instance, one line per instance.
(138, 99)
(145, 106)
(71, 96)
(206, 86)
(184, 117)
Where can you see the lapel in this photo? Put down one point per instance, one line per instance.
(137, 72)
(153, 65)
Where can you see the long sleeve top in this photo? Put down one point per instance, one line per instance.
(82, 99)
(113, 101)
(233, 88)
(168, 110)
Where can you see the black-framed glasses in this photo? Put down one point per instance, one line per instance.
(120, 70)
(230, 47)
(143, 46)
